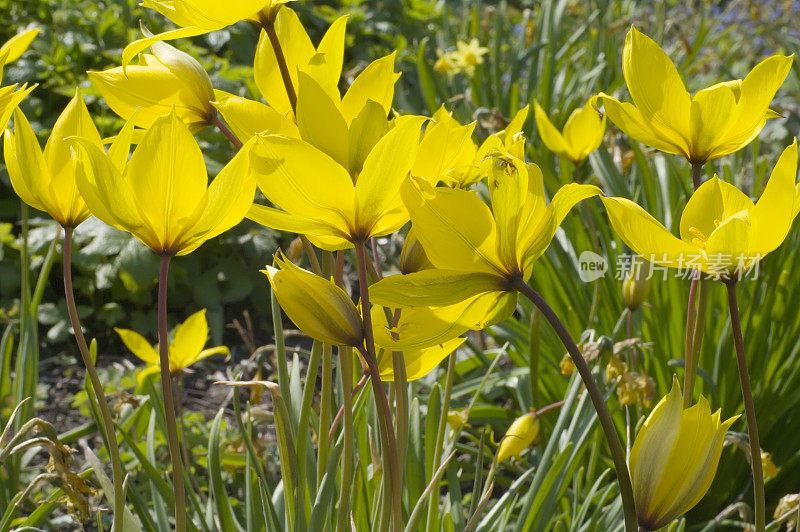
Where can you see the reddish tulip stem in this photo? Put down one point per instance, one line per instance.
(749, 410)
(697, 170)
(97, 386)
(280, 58)
(217, 121)
(169, 397)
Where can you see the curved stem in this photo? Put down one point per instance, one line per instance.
(97, 386)
(169, 398)
(280, 58)
(607, 424)
(390, 455)
(749, 410)
(215, 119)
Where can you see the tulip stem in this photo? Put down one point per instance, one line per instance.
(280, 58)
(169, 397)
(346, 376)
(215, 119)
(390, 456)
(97, 386)
(697, 170)
(695, 321)
(749, 410)
(607, 424)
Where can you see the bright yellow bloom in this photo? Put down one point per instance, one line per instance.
(300, 55)
(168, 79)
(46, 180)
(316, 196)
(478, 252)
(10, 97)
(520, 435)
(583, 132)
(186, 348)
(674, 458)
(722, 232)
(247, 118)
(716, 121)
(316, 305)
(161, 195)
(471, 53)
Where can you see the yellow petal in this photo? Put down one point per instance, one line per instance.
(139, 45)
(205, 353)
(522, 433)
(656, 87)
(774, 212)
(446, 147)
(384, 170)
(207, 14)
(16, 45)
(375, 83)
(646, 236)
(433, 288)
(710, 119)
(418, 362)
(319, 120)
(712, 203)
(332, 47)
(171, 179)
(138, 345)
(584, 131)
(189, 339)
(631, 122)
(333, 238)
(455, 227)
(508, 187)
(551, 136)
(247, 118)
(365, 131)
(30, 176)
(730, 247)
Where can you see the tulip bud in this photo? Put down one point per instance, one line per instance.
(636, 285)
(318, 307)
(770, 471)
(674, 458)
(521, 434)
(413, 257)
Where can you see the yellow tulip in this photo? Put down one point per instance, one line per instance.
(10, 97)
(478, 253)
(247, 118)
(674, 458)
(316, 196)
(716, 121)
(522, 433)
(166, 80)
(186, 348)
(582, 134)
(300, 54)
(161, 195)
(446, 152)
(316, 305)
(722, 232)
(46, 180)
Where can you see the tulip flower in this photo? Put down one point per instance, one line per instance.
(447, 151)
(316, 305)
(316, 196)
(478, 253)
(187, 346)
(46, 180)
(161, 195)
(716, 121)
(723, 233)
(166, 80)
(520, 435)
(674, 458)
(583, 132)
(10, 97)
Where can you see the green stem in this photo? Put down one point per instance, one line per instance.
(693, 358)
(604, 416)
(346, 376)
(97, 386)
(169, 398)
(689, 363)
(533, 354)
(749, 410)
(433, 505)
(390, 456)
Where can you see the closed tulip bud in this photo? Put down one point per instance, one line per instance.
(413, 257)
(318, 307)
(674, 458)
(167, 79)
(521, 434)
(770, 471)
(636, 285)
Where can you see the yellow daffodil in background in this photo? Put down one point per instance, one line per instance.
(716, 121)
(300, 55)
(10, 97)
(161, 195)
(186, 348)
(464, 58)
(46, 180)
(582, 134)
(522, 433)
(316, 305)
(316, 196)
(674, 458)
(480, 254)
(168, 79)
(722, 232)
